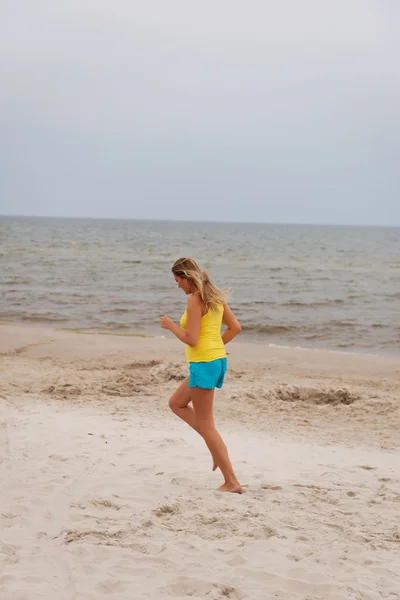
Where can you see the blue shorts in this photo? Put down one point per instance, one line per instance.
(207, 375)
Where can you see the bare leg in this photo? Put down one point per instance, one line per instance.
(179, 404)
(203, 407)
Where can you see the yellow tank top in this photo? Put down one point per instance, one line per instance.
(209, 345)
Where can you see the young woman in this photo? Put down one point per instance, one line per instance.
(200, 330)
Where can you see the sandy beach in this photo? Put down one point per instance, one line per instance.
(106, 494)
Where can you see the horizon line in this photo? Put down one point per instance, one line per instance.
(149, 219)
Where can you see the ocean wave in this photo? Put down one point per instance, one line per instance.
(257, 303)
(271, 329)
(117, 311)
(343, 324)
(313, 331)
(32, 318)
(332, 302)
(16, 281)
(132, 262)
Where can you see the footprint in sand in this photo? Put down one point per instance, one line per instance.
(166, 510)
(268, 486)
(102, 503)
(201, 589)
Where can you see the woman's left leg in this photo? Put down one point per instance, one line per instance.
(179, 404)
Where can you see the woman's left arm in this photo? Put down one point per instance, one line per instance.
(190, 335)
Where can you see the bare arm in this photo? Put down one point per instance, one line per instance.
(189, 336)
(234, 327)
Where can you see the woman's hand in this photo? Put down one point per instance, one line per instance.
(166, 323)
(190, 335)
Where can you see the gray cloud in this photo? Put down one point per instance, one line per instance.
(257, 111)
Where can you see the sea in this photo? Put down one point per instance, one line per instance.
(309, 286)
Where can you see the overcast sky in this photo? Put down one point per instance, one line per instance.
(280, 111)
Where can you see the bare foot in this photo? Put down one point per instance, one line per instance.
(234, 488)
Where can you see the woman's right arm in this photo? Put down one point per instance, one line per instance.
(232, 323)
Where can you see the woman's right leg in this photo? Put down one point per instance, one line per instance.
(179, 404)
(203, 407)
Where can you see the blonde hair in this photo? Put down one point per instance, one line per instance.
(187, 268)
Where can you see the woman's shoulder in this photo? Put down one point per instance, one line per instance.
(194, 299)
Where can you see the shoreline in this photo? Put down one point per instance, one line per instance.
(239, 340)
(279, 363)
